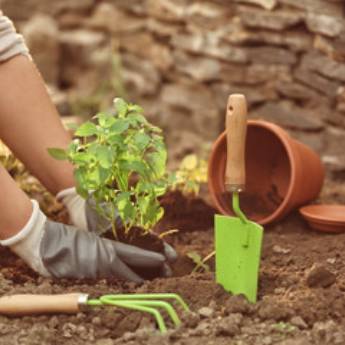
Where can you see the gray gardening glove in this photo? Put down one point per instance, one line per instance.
(84, 216)
(61, 251)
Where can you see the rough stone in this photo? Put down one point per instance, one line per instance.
(266, 4)
(317, 82)
(109, 18)
(209, 44)
(169, 10)
(292, 39)
(296, 91)
(254, 95)
(320, 276)
(271, 55)
(317, 6)
(326, 25)
(83, 50)
(140, 76)
(278, 20)
(286, 114)
(324, 65)
(42, 37)
(199, 68)
(143, 45)
(208, 15)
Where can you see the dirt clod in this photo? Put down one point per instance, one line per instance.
(320, 276)
(205, 312)
(273, 310)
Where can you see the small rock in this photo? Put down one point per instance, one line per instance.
(267, 340)
(280, 250)
(298, 322)
(68, 329)
(238, 304)
(105, 341)
(202, 329)
(319, 276)
(96, 321)
(206, 312)
(331, 261)
(338, 338)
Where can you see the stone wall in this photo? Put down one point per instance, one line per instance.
(181, 58)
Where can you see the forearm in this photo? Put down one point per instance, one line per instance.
(29, 122)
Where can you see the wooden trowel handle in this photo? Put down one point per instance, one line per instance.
(236, 128)
(20, 305)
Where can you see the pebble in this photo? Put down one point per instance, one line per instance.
(206, 312)
(298, 322)
(96, 321)
(280, 250)
(320, 276)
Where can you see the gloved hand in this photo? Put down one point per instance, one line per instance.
(83, 216)
(57, 250)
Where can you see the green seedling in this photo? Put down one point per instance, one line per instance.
(121, 158)
(284, 327)
(200, 263)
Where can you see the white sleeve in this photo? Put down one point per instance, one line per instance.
(11, 43)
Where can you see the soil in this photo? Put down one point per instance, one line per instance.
(185, 213)
(256, 206)
(301, 296)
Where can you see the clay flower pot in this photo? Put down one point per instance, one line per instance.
(281, 174)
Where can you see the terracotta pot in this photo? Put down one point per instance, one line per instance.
(281, 174)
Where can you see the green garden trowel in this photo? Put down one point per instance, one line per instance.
(237, 239)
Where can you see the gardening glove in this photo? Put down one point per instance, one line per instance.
(61, 251)
(84, 216)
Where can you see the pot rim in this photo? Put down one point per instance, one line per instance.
(286, 141)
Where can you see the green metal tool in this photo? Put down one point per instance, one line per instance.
(237, 239)
(21, 305)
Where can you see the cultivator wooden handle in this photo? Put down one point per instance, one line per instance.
(236, 128)
(20, 305)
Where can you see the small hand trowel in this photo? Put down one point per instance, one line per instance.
(237, 239)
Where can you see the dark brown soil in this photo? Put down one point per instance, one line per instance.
(185, 213)
(288, 312)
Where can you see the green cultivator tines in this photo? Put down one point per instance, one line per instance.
(148, 303)
(153, 304)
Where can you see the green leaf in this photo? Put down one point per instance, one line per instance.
(57, 153)
(105, 120)
(103, 156)
(82, 157)
(125, 207)
(121, 107)
(136, 118)
(135, 167)
(119, 126)
(157, 162)
(86, 129)
(135, 108)
(141, 140)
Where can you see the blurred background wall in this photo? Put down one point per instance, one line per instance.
(180, 59)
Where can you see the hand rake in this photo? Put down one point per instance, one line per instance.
(20, 305)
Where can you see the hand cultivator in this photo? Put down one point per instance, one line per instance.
(20, 305)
